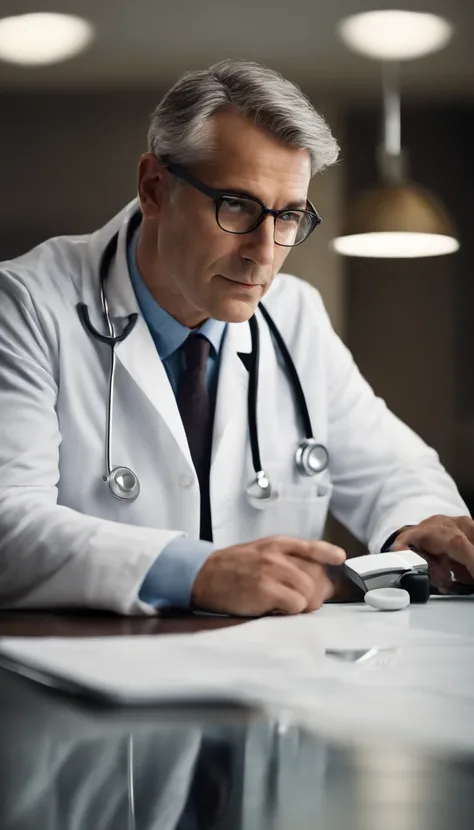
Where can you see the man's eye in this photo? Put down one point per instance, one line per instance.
(234, 205)
(291, 216)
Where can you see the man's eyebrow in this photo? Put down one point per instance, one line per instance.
(298, 204)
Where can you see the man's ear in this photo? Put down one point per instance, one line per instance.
(152, 186)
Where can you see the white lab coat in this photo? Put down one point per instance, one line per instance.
(65, 540)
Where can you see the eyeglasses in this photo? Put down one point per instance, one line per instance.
(237, 213)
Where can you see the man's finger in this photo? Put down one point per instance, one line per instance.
(436, 539)
(466, 524)
(324, 590)
(302, 580)
(285, 600)
(320, 552)
(462, 574)
(312, 550)
(439, 542)
(440, 571)
(400, 543)
(451, 541)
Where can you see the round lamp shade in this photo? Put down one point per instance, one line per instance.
(397, 220)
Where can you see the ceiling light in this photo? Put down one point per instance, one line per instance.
(399, 220)
(396, 245)
(42, 38)
(395, 35)
(395, 218)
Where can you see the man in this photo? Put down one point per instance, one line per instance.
(222, 198)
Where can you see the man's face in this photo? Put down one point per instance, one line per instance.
(206, 271)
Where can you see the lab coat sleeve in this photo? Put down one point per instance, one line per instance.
(170, 579)
(51, 555)
(384, 475)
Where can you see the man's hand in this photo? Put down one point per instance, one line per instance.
(447, 544)
(278, 574)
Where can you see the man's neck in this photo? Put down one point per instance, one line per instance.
(165, 294)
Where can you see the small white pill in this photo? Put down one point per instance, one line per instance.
(388, 599)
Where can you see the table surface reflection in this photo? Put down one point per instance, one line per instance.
(68, 765)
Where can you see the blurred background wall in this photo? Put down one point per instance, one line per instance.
(71, 135)
(416, 344)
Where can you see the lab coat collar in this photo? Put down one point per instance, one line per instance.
(120, 293)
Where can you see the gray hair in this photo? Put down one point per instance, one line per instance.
(180, 125)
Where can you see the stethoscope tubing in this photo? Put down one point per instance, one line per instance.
(112, 339)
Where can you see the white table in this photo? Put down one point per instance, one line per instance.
(346, 668)
(351, 669)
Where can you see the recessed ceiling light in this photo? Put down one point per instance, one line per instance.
(395, 34)
(42, 38)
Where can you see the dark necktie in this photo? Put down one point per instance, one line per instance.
(196, 413)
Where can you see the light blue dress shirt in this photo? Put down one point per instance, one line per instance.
(170, 579)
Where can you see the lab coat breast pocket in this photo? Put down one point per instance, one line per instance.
(299, 510)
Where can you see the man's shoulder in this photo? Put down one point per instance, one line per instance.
(47, 279)
(44, 262)
(56, 266)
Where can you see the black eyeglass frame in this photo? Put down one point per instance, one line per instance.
(218, 196)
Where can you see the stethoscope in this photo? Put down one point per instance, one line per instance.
(311, 458)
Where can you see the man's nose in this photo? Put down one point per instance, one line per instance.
(259, 244)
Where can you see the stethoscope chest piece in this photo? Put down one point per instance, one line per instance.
(311, 458)
(123, 484)
(260, 492)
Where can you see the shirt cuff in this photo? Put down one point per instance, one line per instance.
(169, 581)
(388, 544)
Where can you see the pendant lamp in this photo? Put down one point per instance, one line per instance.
(396, 218)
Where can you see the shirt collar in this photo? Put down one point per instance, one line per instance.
(167, 332)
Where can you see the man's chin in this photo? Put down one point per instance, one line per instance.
(234, 311)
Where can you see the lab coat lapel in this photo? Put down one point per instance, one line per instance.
(138, 353)
(230, 420)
